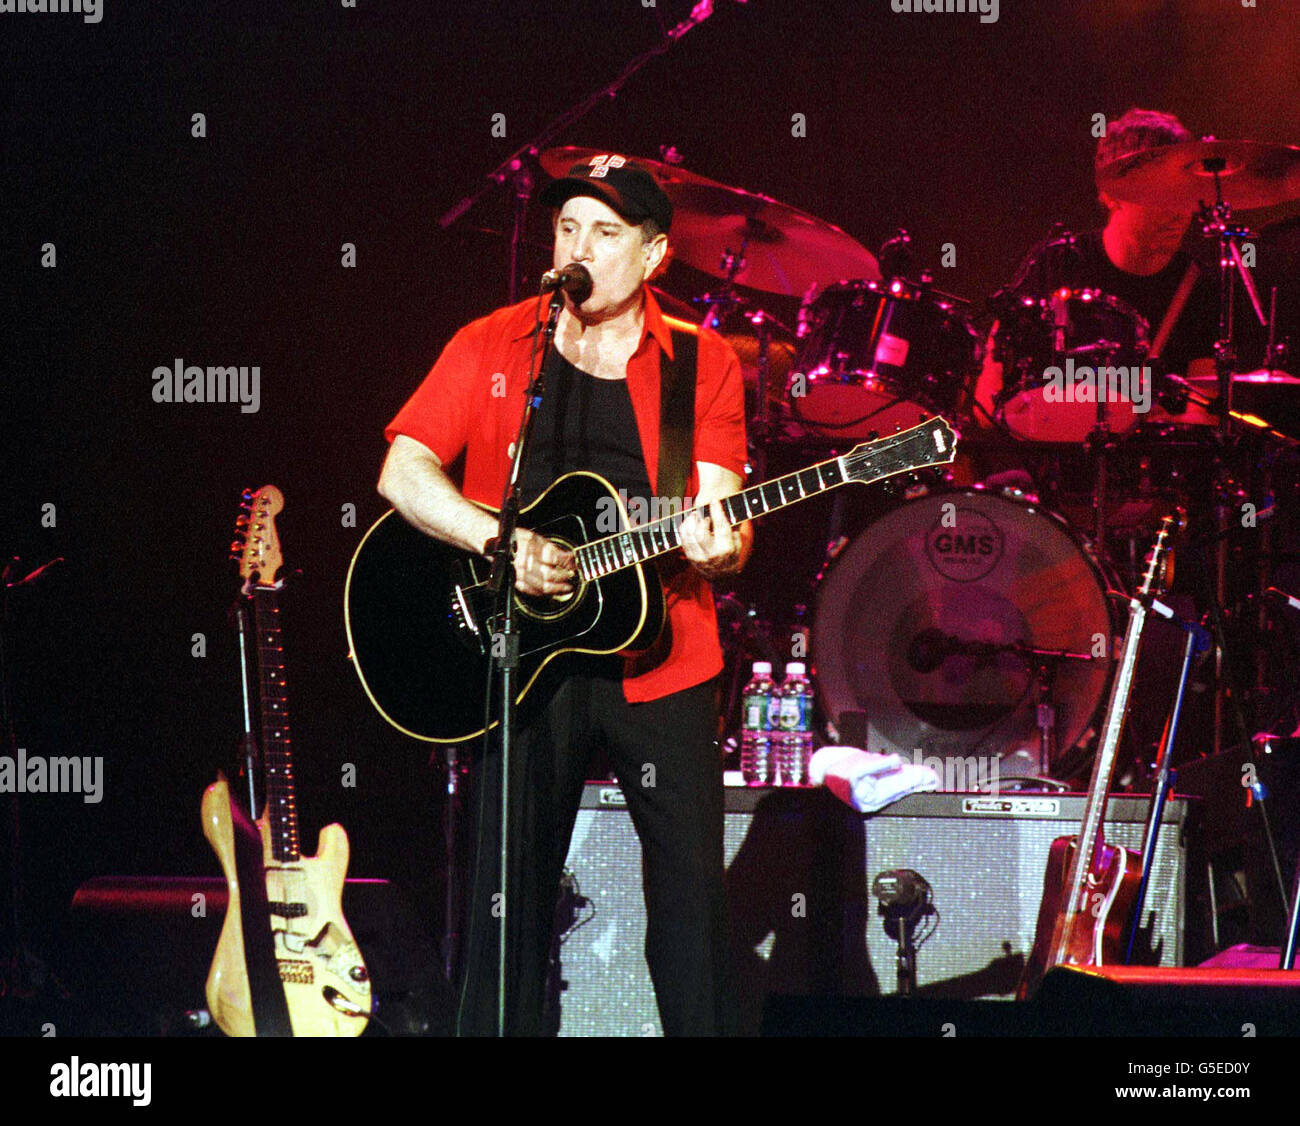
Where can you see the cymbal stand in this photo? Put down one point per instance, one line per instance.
(1099, 445)
(1216, 222)
(1045, 715)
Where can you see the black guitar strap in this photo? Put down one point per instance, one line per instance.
(270, 1009)
(676, 415)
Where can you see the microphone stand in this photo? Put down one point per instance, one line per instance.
(514, 167)
(504, 646)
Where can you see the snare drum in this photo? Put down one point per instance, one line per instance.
(1060, 354)
(880, 355)
(916, 619)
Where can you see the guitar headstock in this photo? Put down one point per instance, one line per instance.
(1158, 559)
(257, 546)
(930, 443)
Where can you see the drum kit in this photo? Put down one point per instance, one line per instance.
(978, 618)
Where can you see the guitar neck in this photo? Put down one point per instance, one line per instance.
(1094, 815)
(1090, 832)
(281, 805)
(865, 463)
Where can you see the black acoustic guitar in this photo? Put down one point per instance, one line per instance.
(419, 619)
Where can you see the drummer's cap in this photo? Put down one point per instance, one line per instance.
(627, 187)
(1138, 130)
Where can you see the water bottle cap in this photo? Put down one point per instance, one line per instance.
(762, 666)
(796, 668)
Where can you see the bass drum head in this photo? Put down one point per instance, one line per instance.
(953, 567)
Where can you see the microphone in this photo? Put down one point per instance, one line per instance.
(902, 890)
(574, 279)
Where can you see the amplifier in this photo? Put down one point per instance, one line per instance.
(144, 945)
(799, 870)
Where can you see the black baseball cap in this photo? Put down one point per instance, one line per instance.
(627, 187)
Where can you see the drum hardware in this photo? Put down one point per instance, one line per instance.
(1216, 222)
(1070, 326)
(764, 344)
(929, 648)
(876, 355)
(935, 620)
(895, 255)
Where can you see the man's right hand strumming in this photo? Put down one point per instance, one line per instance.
(414, 483)
(540, 566)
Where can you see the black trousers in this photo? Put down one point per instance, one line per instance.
(663, 755)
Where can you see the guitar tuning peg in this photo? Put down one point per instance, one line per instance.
(237, 548)
(241, 521)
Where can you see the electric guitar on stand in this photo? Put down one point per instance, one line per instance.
(324, 980)
(418, 611)
(1090, 886)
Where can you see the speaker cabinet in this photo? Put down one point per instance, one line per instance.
(145, 944)
(799, 870)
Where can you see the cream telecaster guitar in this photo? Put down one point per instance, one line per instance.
(326, 986)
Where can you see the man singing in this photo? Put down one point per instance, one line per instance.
(653, 713)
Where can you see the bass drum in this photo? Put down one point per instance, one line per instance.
(911, 616)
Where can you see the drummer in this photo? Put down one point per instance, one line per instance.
(1138, 257)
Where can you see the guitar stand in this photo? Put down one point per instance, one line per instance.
(250, 753)
(1198, 642)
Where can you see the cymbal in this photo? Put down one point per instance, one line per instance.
(674, 306)
(1269, 395)
(1264, 377)
(785, 250)
(557, 162)
(1252, 174)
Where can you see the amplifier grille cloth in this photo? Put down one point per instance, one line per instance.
(986, 872)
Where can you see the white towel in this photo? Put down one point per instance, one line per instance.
(866, 780)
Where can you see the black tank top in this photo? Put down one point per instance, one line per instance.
(1087, 264)
(585, 423)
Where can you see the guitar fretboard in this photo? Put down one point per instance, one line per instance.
(281, 805)
(931, 443)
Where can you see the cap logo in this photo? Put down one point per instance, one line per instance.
(600, 165)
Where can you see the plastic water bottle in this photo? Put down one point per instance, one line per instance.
(757, 724)
(795, 740)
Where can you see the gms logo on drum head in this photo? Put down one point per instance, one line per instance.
(963, 545)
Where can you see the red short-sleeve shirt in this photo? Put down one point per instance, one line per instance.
(472, 401)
